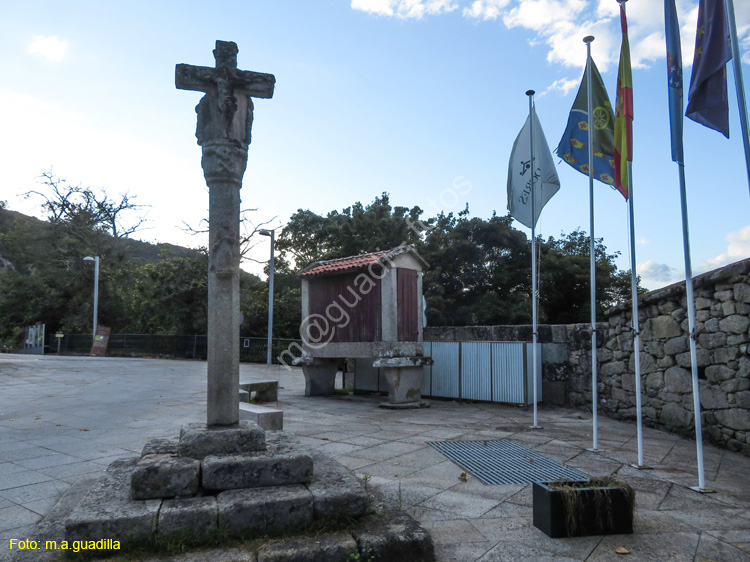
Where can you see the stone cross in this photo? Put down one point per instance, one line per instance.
(225, 117)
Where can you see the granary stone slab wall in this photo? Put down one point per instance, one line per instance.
(722, 300)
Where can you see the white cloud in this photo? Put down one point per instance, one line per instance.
(51, 48)
(562, 24)
(404, 9)
(655, 274)
(563, 85)
(541, 14)
(485, 9)
(642, 241)
(379, 7)
(738, 248)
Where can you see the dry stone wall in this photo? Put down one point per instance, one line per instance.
(722, 301)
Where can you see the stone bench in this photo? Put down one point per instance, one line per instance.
(268, 418)
(265, 390)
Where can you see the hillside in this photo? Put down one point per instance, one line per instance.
(143, 288)
(36, 232)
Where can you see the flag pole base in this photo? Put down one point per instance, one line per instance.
(536, 427)
(702, 490)
(642, 466)
(593, 450)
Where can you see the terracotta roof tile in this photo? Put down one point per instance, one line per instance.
(343, 265)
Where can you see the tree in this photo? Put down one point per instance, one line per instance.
(81, 210)
(479, 270)
(358, 229)
(248, 232)
(564, 285)
(169, 297)
(478, 274)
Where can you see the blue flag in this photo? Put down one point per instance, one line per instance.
(708, 103)
(574, 144)
(674, 79)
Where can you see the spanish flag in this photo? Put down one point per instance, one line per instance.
(623, 112)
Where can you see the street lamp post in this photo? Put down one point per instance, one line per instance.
(270, 233)
(95, 259)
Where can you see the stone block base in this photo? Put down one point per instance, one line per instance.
(199, 440)
(194, 518)
(232, 472)
(107, 511)
(259, 512)
(335, 490)
(159, 446)
(339, 547)
(329, 490)
(165, 476)
(396, 539)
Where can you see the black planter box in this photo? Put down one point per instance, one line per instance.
(550, 512)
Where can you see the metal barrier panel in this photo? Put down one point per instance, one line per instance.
(530, 373)
(427, 372)
(366, 376)
(507, 372)
(476, 366)
(445, 370)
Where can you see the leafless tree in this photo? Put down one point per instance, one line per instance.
(82, 209)
(248, 230)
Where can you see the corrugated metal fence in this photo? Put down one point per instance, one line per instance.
(484, 371)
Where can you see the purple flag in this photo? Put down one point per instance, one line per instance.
(708, 103)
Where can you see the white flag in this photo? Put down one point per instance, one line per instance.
(546, 182)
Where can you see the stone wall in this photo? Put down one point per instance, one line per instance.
(722, 300)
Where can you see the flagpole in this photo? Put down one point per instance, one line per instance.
(634, 282)
(635, 322)
(594, 398)
(739, 84)
(691, 327)
(536, 425)
(674, 88)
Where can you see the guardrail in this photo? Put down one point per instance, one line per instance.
(252, 350)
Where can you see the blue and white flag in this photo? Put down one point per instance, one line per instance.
(674, 79)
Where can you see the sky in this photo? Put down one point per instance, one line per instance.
(418, 98)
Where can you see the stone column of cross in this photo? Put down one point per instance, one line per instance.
(225, 116)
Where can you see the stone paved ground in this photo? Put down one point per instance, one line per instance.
(64, 419)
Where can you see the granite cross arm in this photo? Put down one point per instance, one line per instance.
(228, 94)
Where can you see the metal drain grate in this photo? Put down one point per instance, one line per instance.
(504, 462)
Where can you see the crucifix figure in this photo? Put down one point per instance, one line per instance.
(225, 117)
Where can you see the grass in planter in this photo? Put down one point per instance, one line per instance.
(600, 485)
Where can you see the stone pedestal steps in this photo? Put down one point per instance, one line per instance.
(265, 486)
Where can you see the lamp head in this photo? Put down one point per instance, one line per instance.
(265, 232)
